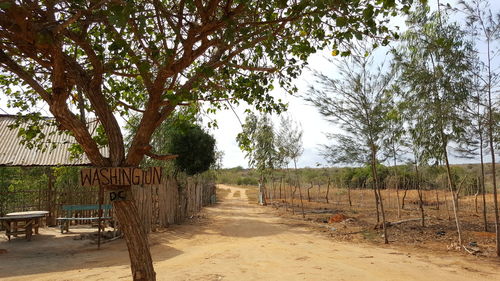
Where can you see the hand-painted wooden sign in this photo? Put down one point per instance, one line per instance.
(120, 176)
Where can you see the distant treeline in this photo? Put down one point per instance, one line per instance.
(402, 177)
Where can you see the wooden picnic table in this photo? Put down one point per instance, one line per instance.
(22, 223)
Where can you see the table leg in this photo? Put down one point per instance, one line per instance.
(7, 228)
(37, 222)
(29, 229)
(14, 228)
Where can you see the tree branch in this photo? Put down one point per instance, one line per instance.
(161, 157)
(13, 67)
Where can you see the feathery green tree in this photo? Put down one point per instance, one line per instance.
(434, 65)
(359, 101)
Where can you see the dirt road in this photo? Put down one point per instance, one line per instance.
(240, 241)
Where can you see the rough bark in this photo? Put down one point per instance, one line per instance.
(136, 239)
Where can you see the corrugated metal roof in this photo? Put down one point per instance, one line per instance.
(13, 153)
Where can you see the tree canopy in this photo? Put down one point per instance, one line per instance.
(195, 149)
(113, 58)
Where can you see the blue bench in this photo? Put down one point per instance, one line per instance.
(72, 212)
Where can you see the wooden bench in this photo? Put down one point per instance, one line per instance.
(72, 212)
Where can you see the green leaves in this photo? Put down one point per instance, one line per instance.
(4, 5)
(152, 54)
(75, 150)
(258, 141)
(368, 12)
(119, 14)
(435, 81)
(357, 102)
(341, 21)
(195, 147)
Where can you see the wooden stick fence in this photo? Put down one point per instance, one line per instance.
(159, 205)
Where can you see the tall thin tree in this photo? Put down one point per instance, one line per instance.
(358, 102)
(479, 13)
(434, 68)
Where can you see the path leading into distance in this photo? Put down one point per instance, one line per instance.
(245, 242)
(238, 241)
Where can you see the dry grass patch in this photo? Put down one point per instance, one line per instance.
(252, 193)
(222, 193)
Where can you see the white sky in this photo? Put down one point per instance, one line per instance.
(313, 125)
(307, 116)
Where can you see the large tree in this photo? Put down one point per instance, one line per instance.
(114, 57)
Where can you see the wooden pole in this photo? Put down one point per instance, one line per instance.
(99, 219)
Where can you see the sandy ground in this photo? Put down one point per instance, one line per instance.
(233, 240)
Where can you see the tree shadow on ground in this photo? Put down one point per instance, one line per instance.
(52, 253)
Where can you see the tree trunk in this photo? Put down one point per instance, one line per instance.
(327, 191)
(437, 199)
(478, 189)
(437, 203)
(397, 198)
(99, 220)
(319, 192)
(404, 194)
(452, 188)
(273, 197)
(51, 207)
(420, 199)
(286, 202)
(136, 239)
(396, 178)
(281, 184)
(302, 201)
(378, 194)
(262, 191)
(349, 195)
(491, 128)
(308, 195)
(376, 202)
(446, 205)
(483, 188)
